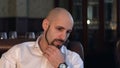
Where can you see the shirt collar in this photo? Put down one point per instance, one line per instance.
(36, 46)
(37, 42)
(62, 49)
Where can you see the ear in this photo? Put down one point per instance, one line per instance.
(45, 24)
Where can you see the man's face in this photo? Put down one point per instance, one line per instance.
(58, 32)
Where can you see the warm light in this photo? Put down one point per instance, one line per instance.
(113, 25)
(88, 22)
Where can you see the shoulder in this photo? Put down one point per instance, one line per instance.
(12, 54)
(18, 48)
(22, 45)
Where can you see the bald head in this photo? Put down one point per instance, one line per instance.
(57, 26)
(57, 13)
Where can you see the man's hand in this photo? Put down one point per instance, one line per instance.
(54, 56)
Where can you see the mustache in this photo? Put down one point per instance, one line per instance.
(62, 41)
(59, 40)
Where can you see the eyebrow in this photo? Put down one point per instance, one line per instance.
(69, 30)
(60, 27)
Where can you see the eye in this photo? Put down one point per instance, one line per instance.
(60, 28)
(69, 31)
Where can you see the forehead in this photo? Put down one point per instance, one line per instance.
(64, 23)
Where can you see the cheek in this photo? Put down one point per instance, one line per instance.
(53, 32)
(51, 35)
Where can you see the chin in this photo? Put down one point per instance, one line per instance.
(58, 47)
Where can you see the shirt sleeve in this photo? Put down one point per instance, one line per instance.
(75, 61)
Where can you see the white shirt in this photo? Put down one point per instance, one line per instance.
(29, 55)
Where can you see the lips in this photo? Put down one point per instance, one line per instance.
(58, 43)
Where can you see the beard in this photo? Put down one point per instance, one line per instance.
(55, 40)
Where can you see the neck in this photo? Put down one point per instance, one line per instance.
(43, 44)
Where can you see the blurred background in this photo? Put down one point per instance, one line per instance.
(97, 25)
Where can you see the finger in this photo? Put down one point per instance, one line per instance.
(46, 55)
(48, 50)
(53, 48)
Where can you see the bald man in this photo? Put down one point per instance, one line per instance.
(48, 50)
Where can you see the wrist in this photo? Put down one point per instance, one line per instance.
(62, 65)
